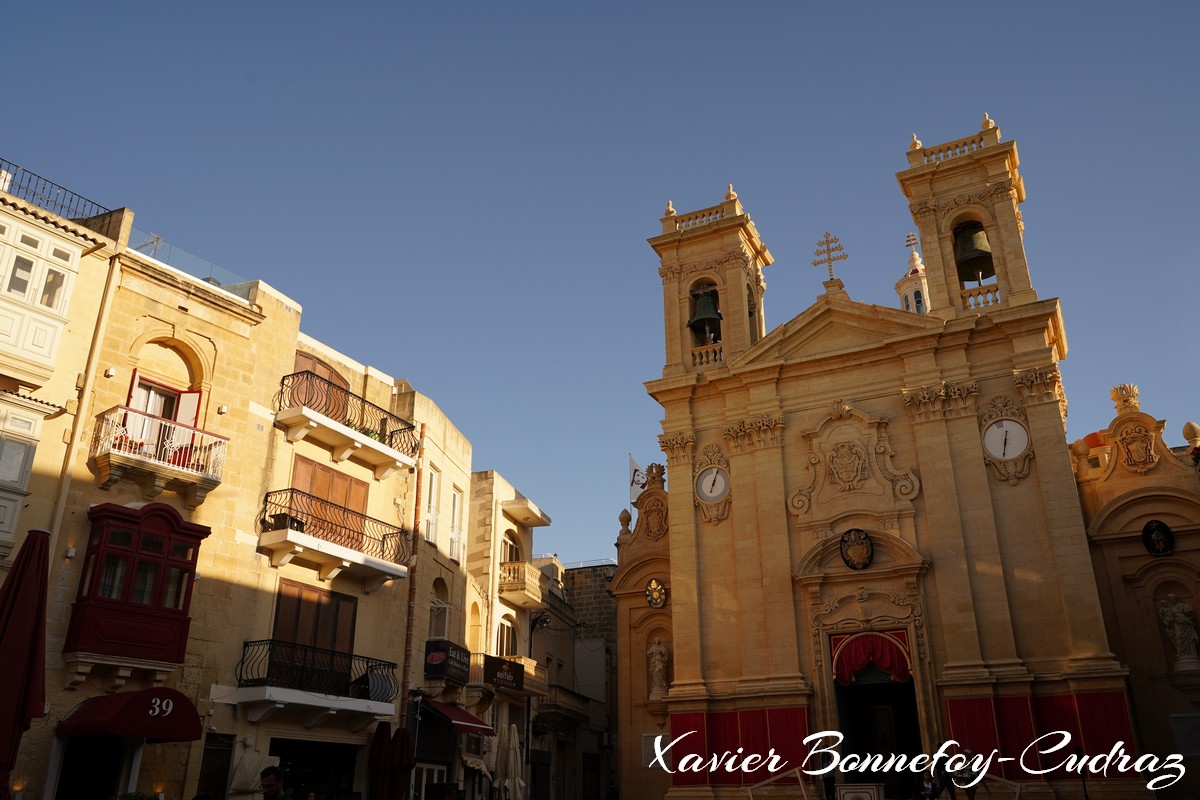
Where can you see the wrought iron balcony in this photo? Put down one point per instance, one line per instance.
(157, 452)
(295, 524)
(313, 407)
(523, 585)
(273, 662)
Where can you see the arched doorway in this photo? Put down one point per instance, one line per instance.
(877, 701)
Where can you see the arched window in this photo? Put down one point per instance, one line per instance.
(920, 301)
(510, 548)
(907, 307)
(506, 636)
(439, 611)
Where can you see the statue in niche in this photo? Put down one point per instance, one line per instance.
(1179, 622)
(657, 657)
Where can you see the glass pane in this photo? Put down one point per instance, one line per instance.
(18, 282)
(52, 288)
(143, 583)
(29, 241)
(13, 455)
(120, 537)
(152, 544)
(176, 588)
(61, 255)
(86, 585)
(181, 551)
(112, 580)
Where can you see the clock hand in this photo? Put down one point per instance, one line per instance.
(713, 485)
(1004, 450)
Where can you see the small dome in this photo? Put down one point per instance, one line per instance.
(1191, 431)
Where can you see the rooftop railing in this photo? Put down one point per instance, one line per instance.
(33, 188)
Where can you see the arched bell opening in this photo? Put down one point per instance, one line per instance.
(704, 314)
(755, 314)
(973, 253)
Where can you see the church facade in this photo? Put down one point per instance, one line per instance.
(876, 524)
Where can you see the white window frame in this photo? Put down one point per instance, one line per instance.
(425, 775)
(431, 505)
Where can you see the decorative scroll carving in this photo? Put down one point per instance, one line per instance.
(1137, 443)
(867, 609)
(1125, 395)
(678, 446)
(948, 399)
(850, 470)
(848, 466)
(713, 512)
(651, 504)
(801, 501)
(1000, 407)
(764, 431)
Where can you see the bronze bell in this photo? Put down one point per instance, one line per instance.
(973, 253)
(706, 319)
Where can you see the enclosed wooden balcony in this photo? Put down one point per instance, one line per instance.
(523, 585)
(158, 453)
(332, 539)
(316, 409)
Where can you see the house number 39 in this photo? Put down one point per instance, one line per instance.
(160, 707)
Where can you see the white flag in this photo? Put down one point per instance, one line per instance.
(637, 479)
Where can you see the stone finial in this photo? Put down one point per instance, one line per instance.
(915, 144)
(915, 264)
(731, 194)
(988, 123)
(625, 518)
(1125, 395)
(670, 212)
(1191, 432)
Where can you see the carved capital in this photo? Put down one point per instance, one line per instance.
(763, 431)
(1042, 385)
(678, 446)
(948, 399)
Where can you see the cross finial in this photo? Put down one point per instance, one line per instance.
(828, 251)
(910, 240)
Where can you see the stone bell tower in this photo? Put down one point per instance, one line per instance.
(711, 269)
(963, 195)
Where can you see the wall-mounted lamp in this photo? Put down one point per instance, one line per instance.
(222, 409)
(109, 372)
(158, 790)
(70, 552)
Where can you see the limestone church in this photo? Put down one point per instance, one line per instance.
(875, 523)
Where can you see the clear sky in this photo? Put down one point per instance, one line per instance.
(460, 193)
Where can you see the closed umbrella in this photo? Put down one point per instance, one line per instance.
(23, 643)
(514, 784)
(379, 763)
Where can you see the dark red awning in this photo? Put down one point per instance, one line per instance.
(158, 715)
(460, 720)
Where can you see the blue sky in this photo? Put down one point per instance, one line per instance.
(459, 194)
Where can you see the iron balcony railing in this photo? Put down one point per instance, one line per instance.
(310, 390)
(160, 441)
(33, 188)
(300, 511)
(273, 662)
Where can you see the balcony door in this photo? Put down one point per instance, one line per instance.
(313, 639)
(160, 406)
(341, 517)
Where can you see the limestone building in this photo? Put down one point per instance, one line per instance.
(263, 551)
(874, 520)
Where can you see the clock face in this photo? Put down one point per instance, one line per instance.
(1005, 439)
(712, 484)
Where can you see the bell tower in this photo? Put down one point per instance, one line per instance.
(711, 270)
(963, 196)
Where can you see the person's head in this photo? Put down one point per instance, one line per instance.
(271, 781)
(311, 796)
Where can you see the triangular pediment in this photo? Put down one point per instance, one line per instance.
(836, 324)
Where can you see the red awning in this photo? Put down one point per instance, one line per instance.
(158, 715)
(460, 720)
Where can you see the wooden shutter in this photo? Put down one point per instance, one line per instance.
(327, 483)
